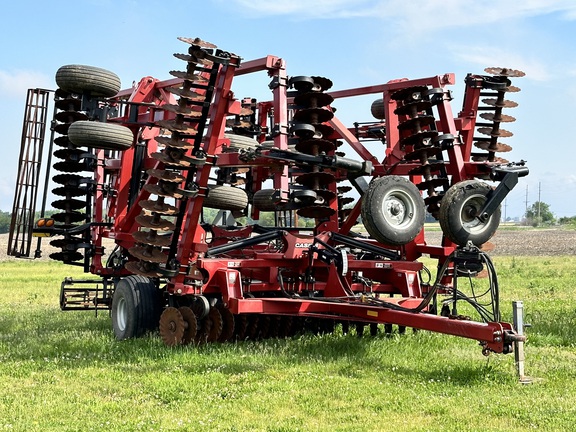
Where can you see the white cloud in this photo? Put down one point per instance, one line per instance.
(483, 56)
(300, 8)
(416, 16)
(16, 83)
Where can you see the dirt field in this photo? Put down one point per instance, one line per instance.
(527, 241)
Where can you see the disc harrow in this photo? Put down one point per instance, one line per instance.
(342, 249)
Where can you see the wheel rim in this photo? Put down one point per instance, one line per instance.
(398, 209)
(469, 212)
(121, 312)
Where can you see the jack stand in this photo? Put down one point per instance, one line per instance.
(518, 322)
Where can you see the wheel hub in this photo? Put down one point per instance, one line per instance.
(397, 210)
(121, 314)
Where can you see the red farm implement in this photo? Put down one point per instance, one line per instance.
(179, 177)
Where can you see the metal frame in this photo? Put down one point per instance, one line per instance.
(242, 268)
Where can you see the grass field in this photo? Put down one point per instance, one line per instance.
(63, 371)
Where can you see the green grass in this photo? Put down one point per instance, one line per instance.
(63, 371)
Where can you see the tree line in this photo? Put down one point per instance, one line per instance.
(540, 214)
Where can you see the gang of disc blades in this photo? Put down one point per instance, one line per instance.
(188, 94)
(322, 82)
(502, 118)
(158, 207)
(512, 73)
(315, 146)
(67, 256)
(154, 222)
(174, 142)
(411, 108)
(177, 125)
(69, 217)
(147, 253)
(498, 147)
(72, 180)
(313, 99)
(423, 138)
(152, 238)
(502, 133)
(166, 175)
(315, 178)
(144, 268)
(418, 121)
(69, 204)
(313, 115)
(500, 104)
(68, 191)
(316, 212)
(432, 183)
(197, 42)
(70, 116)
(70, 167)
(430, 167)
(192, 77)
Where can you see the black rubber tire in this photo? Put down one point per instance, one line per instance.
(241, 142)
(393, 210)
(377, 109)
(80, 78)
(458, 209)
(223, 197)
(108, 136)
(136, 307)
(263, 200)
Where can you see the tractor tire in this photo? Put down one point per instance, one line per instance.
(241, 142)
(225, 198)
(393, 210)
(107, 136)
(263, 200)
(377, 109)
(79, 79)
(136, 307)
(458, 210)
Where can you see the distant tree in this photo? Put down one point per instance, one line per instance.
(5, 219)
(539, 214)
(567, 220)
(266, 219)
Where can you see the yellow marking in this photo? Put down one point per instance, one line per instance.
(372, 313)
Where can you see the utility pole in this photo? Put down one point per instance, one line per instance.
(539, 190)
(526, 202)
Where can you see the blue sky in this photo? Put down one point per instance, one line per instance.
(353, 42)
